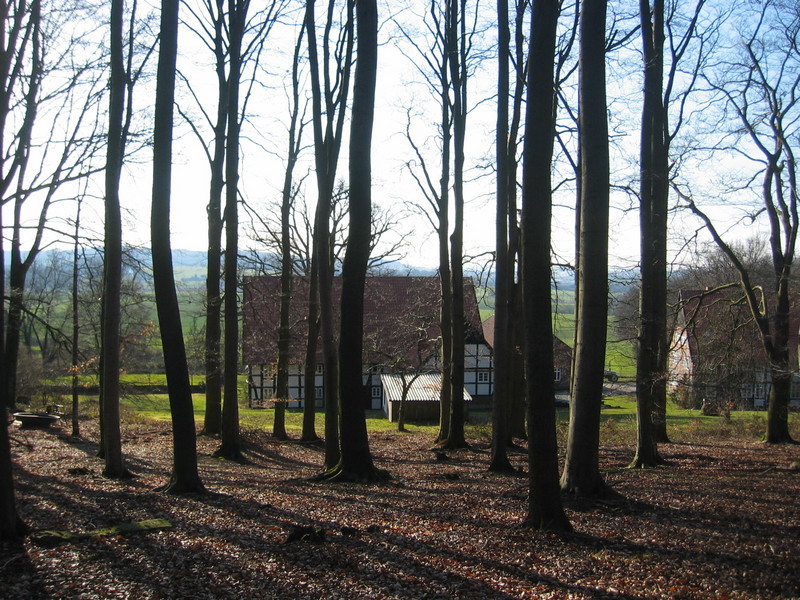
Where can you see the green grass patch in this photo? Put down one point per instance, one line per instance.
(156, 407)
(617, 418)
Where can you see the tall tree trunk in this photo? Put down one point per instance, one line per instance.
(517, 407)
(75, 352)
(650, 376)
(504, 270)
(455, 36)
(309, 433)
(295, 141)
(185, 477)
(544, 498)
(231, 446)
(328, 335)
(356, 460)
(32, 33)
(112, 266)
(212, 423)
(446, 394)
(327, 144)
(581, 474)
(11, 526)
(780, 365)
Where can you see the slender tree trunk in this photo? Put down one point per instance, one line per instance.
(185, 477)
(356, 459)
(582, 471)
(446, 394)
(401, 412)
(282, 380)
(329, 348)
(503, 390)
(309, 375)
(455, 36)
(11, 526)
(327, 145)
(544, 498)
(18, 268)
(112, 266)
(75, 353)
(231, 446)
(295, 135)
(650, 378)
(213, 368)
(516, 415)
(16, 290)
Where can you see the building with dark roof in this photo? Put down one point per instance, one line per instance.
(402, 336)
(716, 355)
(562, 356)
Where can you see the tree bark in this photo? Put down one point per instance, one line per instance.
(455, 40)
(356, 459)
(231, 446)
(309, 433)
(502, 351)
(112, 266)
(327, 144)
(651, 359)
(212, 423)
(185, 477)
(581, 474)
(295, 135)
(544, 498)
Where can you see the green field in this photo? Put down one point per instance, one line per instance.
(618, 420)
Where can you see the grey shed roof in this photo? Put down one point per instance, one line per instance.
(425, 388)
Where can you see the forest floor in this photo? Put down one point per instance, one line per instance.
(721, 519)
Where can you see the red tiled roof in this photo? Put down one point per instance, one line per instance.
(401, 318)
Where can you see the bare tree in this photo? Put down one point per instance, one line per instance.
(356, 459)
(581, 473)
(445, 66)
(544, 500)
(37, 158)
(504, 279)
(330, 86)
(40, 156)
(210, 21)
(112, 273)
(185, 476)
(760, 89)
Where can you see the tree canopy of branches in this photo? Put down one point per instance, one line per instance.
(759, 89)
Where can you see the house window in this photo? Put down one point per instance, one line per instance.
(376, 391)
(760, 391)
(483, 376)
(747, 390)
(795, 390)
(557, 375)
(321, 368)
(319, 392)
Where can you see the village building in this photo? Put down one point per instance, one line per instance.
(402, 341)
(716, 356)
(562, 356)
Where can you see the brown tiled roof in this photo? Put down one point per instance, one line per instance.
(401, 318)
